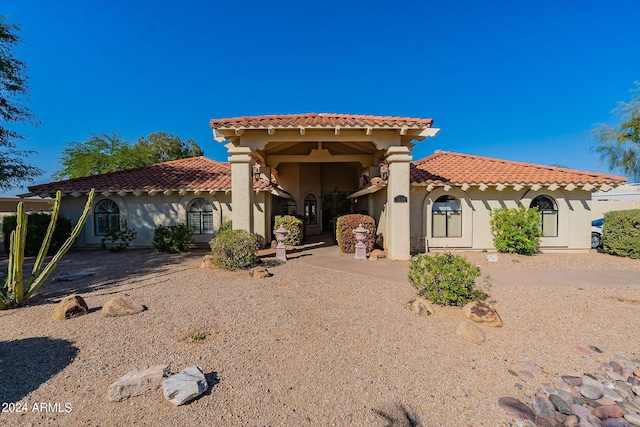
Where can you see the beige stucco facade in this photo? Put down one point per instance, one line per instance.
(573, 217)
(144, 212)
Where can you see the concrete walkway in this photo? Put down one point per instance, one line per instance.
(329, 257)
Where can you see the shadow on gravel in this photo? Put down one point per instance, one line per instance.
(399, 416)
(107, 270)
(28, 363)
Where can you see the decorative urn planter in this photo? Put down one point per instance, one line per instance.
(281, 249)
(361, 248)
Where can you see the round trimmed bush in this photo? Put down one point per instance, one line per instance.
(234, 249)
(295, 226)
(345, 225)
(173, 238)
(445, 279)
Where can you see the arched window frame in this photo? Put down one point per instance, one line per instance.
(106, 215)
(310, 209)
(200, 216)
(446, 217)
(548, 209)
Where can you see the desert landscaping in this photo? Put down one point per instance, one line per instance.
(306, 346)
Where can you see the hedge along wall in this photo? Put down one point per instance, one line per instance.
(344, 231)
(621, 233)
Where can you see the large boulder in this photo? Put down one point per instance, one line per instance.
(184, 386)
(121, 306)
(68, 307)
(481, 312)
(137, 382)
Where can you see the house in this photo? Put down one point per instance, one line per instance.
(310, 164)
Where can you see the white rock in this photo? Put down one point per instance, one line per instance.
(137, 382)
(184, 386)
(633, 418)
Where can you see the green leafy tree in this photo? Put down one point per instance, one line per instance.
(13, 88)
(108, 153)
(164, 147)
(619, 146)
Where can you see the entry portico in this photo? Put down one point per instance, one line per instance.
(312, 154)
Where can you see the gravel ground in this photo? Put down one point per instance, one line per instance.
(304, 347)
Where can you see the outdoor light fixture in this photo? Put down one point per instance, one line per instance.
(256, 172)
(384, 172)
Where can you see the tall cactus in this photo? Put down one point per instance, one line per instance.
(15, 291)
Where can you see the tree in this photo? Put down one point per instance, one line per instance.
(108, 153)
(164, 147)
(13, 88)
(619, 146)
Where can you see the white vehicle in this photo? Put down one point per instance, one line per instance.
(596, 233)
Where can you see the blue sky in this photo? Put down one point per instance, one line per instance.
(518, 80)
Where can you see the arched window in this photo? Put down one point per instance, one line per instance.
(106, 215)
(549, 213)
(310, 209)
(200, 216)
(446, 216)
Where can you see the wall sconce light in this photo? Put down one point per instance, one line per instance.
(256, 172)
(384, 172)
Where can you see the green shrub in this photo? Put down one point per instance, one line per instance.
(173, 238)
(117, 240)
(621, 233)
(36, 230)
(295, 226)
(345, 225)
(233, 249)
(225, 226)
(516, 230)
(445, 279)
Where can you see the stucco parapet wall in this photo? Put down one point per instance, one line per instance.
(516, 186)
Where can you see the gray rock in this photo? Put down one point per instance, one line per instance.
(615, 366)
(612, 394)
(616, 422)
(595, 421)
(572, 381)
(582, 411)
(137, 382)
(185, 386)
(543, 407)
(591, 389)
(560, 405)
(633, 418)
(516, 408)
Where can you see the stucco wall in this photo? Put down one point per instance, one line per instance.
(143, 213)
(574, 218)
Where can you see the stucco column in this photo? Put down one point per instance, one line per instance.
(398, 232)
(241, 188)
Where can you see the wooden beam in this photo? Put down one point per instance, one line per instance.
(500, 187)
(553, 187)
(570, 187)
(465, 187)
(483, 187)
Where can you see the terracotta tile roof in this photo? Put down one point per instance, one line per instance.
(458, 168)
(195, 173)
(319, 120)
